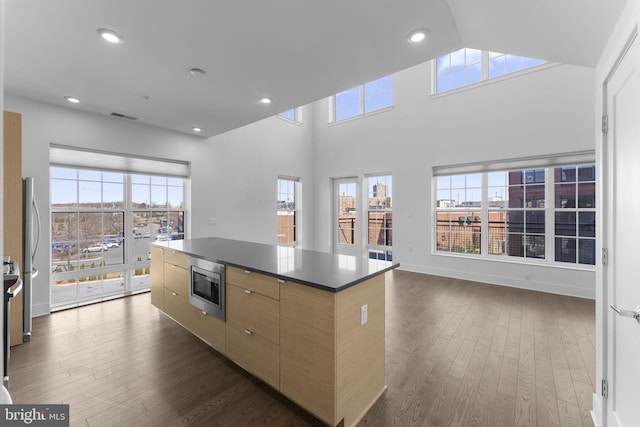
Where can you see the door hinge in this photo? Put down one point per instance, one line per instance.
(605, 256)
(605, 389)
(605, 124)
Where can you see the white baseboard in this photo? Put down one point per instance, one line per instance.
(38, 310)
(596, 412)
(496, 279)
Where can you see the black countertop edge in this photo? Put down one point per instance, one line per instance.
(311, 284)
(353, 279)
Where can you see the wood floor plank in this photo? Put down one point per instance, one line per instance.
(457, 353)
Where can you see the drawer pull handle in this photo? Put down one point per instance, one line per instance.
(247, 291)
(174, 294)
(248, 332)
(247, 271)
(280, 281)
(204, 313)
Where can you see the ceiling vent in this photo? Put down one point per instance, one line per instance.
(124, 116)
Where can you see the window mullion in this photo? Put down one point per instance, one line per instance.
(128, 230)
(485, 65)
(484, 224)
(550, 224)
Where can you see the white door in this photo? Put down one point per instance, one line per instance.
(622, 192)
(347, 227)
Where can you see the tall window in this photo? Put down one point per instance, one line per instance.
(468, 66)
(102, 223)
(517, 223)
(287, 213)
(546, 214)
(575, 215)
(380, 217)
(363, 99)
(458, 213)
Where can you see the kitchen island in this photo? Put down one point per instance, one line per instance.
(310, 324)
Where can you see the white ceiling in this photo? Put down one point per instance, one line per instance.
(294, 51)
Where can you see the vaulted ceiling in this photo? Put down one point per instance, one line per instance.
(292, 51)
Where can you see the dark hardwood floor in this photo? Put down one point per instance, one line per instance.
(458, 353)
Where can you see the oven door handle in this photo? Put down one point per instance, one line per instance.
(16, 291)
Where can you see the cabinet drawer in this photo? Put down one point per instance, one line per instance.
(256, 282)
(254, 353)
(177, 306)
(208, 328)
(255, 312)
(176, 258)
(176, 278)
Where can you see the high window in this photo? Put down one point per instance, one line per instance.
(380, 217)
(287, 211)
(468, 66)
(102, 224)
(545, 214)
(363, 99)
(293, 115)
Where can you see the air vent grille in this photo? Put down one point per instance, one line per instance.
(124, 116)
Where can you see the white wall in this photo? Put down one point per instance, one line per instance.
(233, 176)
(544, 112)
(43, 124)
(243, 166)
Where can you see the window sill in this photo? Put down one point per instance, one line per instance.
(361, 116)
(521, 261)
(493, 80)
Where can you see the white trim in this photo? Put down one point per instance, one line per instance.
(83, 158)
(361, 116)
(494, 279)
(489, 80)
(532, 162)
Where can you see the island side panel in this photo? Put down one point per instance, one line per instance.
(360, 349)
(157, 277)
(307, 349)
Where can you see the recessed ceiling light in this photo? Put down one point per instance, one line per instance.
(110, 36)
(197, 72)
(72, 99)
(265, 100)
(197, 129)
(417, 36)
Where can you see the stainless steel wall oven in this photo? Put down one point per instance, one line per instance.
(207, 287)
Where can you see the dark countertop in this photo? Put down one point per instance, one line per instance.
(331, 272)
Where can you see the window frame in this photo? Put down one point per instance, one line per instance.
(131, 270)
(548, 211)
(362, 100)
(485, 77)
(384, 250)
(295, 212)
(297, 116)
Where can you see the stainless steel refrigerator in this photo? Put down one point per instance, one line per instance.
(30, 240)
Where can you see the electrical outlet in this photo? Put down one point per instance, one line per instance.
(364, 314)
(212, 221)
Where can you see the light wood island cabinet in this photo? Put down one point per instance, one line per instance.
(321, 346)
(157, 278)
(170, 293)
(253, 323)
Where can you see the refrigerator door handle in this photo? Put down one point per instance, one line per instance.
(37, 242)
